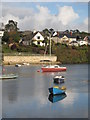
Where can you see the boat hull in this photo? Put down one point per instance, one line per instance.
(53, 69)
(58, 80)
(56, 98)
(56, 91)
(8, 76)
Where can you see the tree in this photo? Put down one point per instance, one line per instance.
(14, 35)
(5, 37)
(11, 26)
(46, 32)
(11, 33)
(77, 31)
(51, 31)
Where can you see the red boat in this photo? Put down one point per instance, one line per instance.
(53, 68)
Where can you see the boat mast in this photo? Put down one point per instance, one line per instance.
(50, 44)
(51, 31)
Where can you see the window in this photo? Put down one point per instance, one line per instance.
(38, 43)
(56, 66)
(38, 37)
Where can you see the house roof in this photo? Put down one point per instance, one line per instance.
(88, 37)
(68, 35)
(29, 34)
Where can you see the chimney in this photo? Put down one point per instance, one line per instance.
(71, 33)
(34, 31)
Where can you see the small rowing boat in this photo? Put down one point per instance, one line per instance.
(58, 79)
(57, 90)
(17, 65)
(8, 76)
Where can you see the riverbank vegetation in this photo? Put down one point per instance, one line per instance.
(72, 55)
(65, 54)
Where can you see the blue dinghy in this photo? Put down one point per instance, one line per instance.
(56, 98)
(56, 90)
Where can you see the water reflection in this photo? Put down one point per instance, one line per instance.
(56, 98)
(11, 90)
(28, 96)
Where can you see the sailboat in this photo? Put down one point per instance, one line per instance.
(7, 76)
(52, 68)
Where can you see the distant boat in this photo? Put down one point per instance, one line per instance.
(26, 64)
(58, 79)
(17, 65)
(56, 98)
(56, 90)
(53, 68)
(8, 76)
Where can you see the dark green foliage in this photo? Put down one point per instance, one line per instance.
(10, 37)
(71, 55)
(11, 33)
(5, 37)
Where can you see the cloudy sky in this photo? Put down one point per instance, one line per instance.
(41, 15)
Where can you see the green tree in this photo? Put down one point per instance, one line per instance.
(11, 26)
(11, 33)
(14, 36)
(5, 37)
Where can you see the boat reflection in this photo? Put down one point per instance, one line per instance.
(55, 98)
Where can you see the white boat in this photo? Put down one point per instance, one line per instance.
(58, 79)
(17, 65)
(26, 64)
(8, 76)
(53, 68)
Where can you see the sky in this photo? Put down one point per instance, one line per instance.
(40, 15)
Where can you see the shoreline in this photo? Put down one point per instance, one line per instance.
(36, 60)
(44, 63)
(33, 63)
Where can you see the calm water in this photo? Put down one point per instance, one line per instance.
(27, 96)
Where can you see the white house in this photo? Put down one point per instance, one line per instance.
(73, 43)
(38, 39)
(67, 38)
(1, 35)
(82, 42)
(87, 38)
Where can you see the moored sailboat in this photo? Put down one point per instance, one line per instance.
(53, 68)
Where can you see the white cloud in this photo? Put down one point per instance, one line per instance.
(29, 19)
(9, 17)
(86, 21)
(16, 11)
(67, 15)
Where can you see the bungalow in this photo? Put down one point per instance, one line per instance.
(64, 38)
(26, 38)
(1, 35)
(36, 38)
(73, 43)
(67, 38)
(87, 39)
(82, 42)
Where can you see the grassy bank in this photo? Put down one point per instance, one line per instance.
(65, 54)
(72, 55)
